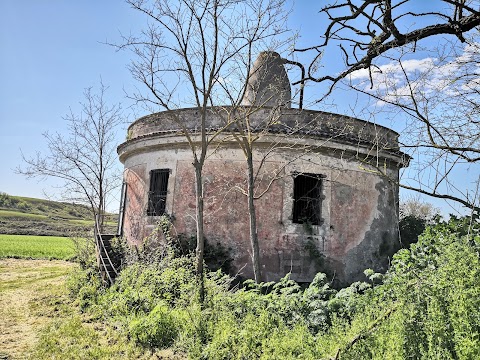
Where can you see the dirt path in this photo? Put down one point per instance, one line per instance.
(32, 293)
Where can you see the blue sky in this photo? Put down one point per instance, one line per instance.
(52, 49)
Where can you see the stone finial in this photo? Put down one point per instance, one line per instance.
(268, 83)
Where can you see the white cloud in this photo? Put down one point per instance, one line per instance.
(429, 76)
(395, 68)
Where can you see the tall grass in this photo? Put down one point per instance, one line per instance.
(36, 247)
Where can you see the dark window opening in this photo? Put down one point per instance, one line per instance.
(307, 199)
(157, 195)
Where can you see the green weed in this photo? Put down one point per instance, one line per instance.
(425, 307)
(71, 338)
(158, 329)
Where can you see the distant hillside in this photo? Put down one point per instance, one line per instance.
(30, 216)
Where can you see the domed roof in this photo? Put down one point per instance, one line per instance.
(268, 83)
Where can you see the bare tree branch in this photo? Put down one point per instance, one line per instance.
(85, 159)
(195, 53)
(419, 68)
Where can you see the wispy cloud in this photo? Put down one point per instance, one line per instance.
(428, 76)
(410, 66)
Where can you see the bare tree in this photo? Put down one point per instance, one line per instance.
(419, 67)
(198, 53)
(417, 208)
(261, 131)
(366, 30)
(266, 91)
(85, 157)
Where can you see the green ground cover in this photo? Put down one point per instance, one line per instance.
(19, 214)
(36, 247)
(32, 295)
(30, 216)
(425, 307)
(40, 321)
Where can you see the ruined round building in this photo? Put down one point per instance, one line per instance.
(326, 193)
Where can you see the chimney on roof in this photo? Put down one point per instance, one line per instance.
(268, 83)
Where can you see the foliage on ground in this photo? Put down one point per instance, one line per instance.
(36, 247)
(427, 306)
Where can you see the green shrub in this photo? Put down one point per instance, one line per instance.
(171, 281)
(193, 333)
(85, 287)
(158, 329)
(427, 306)
(85, 253)
(74, 213)
(22, 205)
(289, 343)
(5, 200)
(410, 228)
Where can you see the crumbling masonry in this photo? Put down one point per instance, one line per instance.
(329, 202)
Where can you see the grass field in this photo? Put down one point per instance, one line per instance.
(36, 247)
(19, 214)
(32, 295)
(40, 321)
(40, 217)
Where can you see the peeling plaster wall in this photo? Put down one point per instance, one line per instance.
(358, 209)
(359, 206)
(307, 122)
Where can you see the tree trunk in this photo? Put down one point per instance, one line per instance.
(253, 220)
(200, 235)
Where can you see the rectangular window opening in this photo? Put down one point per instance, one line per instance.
(307, 199)
(157, 194)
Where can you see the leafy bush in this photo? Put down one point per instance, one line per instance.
(426, 306)
(157, 329)
(85, 254)
(429, 304)
(85, 287)
(415, 216)
(163, 240)
(8, 201)
(410, 228)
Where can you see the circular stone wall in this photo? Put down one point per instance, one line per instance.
(337, 172)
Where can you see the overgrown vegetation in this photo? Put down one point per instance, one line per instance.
(415, 216)
(427, 306)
